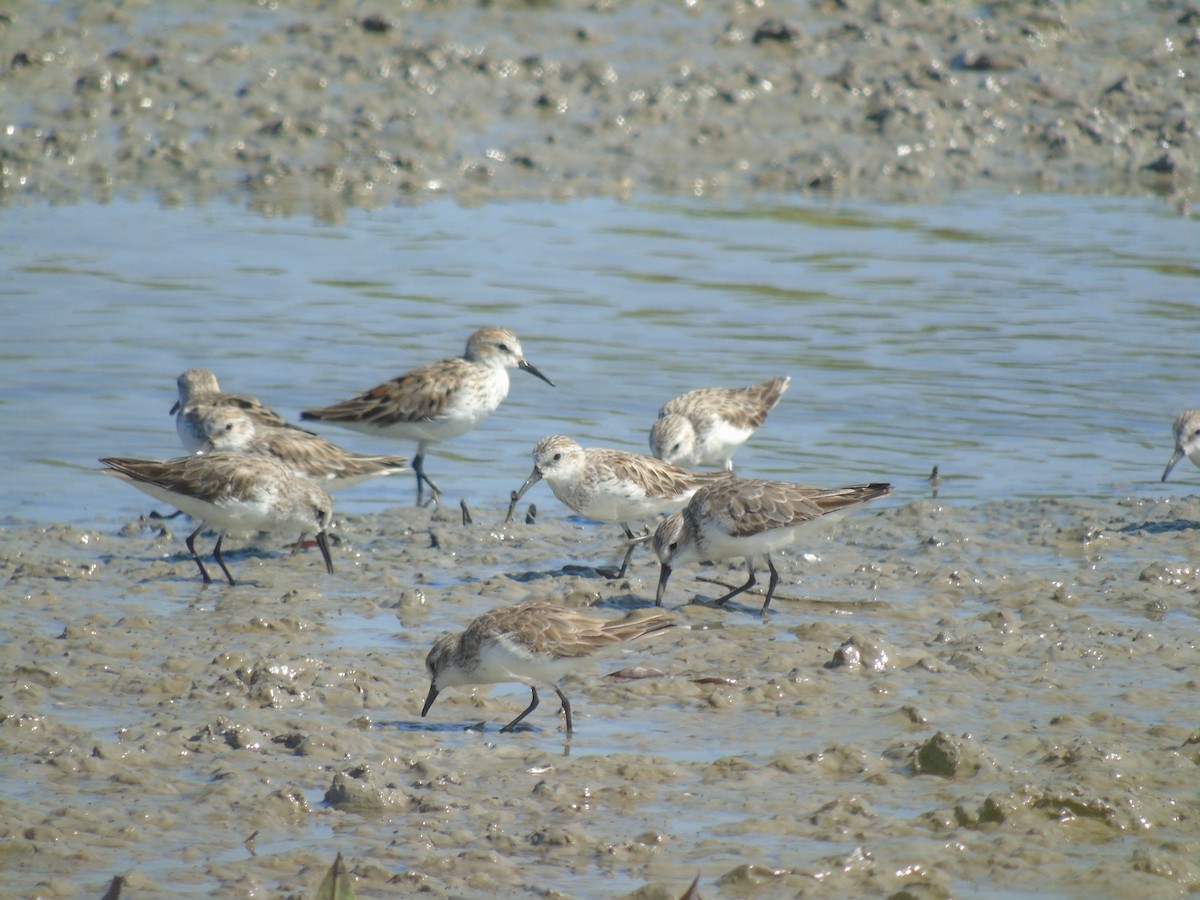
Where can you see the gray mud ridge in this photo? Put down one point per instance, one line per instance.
(313, 107)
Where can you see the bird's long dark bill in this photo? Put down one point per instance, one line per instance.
(175, 408)
(534, 477)
(532, 370)
(663, 574)
(1174, 459)
(433, 692)
(323, 543)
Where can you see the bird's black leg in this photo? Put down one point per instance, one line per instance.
(770, 585)
(566, 707)
(628, 554)
(418, 465)
(217, 556)
(191, 545)
(530, 708)
(633, 542)
(745, 587)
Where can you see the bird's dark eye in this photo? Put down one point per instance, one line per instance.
(557, 457)
(674, 448)
(504, 347)
(671, 546)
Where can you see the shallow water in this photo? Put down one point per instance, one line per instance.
(1029, 346)
(1037, 620)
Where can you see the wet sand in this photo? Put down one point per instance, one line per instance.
(948, 700)
(308, 108)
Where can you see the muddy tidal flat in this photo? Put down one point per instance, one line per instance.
(315, 106)
(945, 701)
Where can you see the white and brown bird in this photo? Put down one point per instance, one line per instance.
(1187, 439)
(611, 485)
(705, 427)
(232, 491)
(199, 387)
(435, 402)
(528, 643)
(750, 518)
(228, 428)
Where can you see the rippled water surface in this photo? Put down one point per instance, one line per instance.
(1027, 346)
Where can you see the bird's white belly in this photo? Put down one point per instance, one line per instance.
(502, 660)
(718, 544)
(719, 442)
(471, 404)
(610, 500)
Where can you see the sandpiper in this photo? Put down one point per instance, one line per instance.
(199, 387)
(232, 491)
(229, 428)
(935, 482)
(706, 426)
(528, 643)
(1187, 440)
(611, 485)
(748, 517)
(438, 401)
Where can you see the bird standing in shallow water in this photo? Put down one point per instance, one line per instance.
(435, 402)
(706, 426)
(748, 517)
(528, 643)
